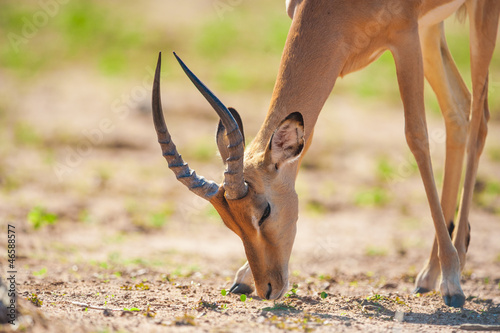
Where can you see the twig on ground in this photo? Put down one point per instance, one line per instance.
(478, 327)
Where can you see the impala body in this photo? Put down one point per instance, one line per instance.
(328, 39)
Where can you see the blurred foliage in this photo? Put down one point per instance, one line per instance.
(239, 44)
(316, 208)
(146, 218)
(487, 194)
(385, 170)
(372, 197)
(39, 217)
(90, 33)
(494, 153)
(26, 134)
(375, 251)
(236, 46)
(200, 150)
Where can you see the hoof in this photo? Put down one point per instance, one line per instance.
(454, 301)
(421, 290)
(241, 288)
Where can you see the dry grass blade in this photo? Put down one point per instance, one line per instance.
(84, 305)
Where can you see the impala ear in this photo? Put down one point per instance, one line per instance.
(221, 137)
(287, 142)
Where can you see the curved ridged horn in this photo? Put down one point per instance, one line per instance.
(234, 182)
(197, 184)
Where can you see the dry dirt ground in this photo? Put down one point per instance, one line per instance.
(128, 236)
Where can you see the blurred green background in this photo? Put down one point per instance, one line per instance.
(235, 45)
(64, 64)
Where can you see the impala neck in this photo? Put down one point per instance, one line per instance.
(307, 73)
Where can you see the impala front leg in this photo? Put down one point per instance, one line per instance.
(409, 65)
(243, 281)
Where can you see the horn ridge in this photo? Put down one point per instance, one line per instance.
(197, 184)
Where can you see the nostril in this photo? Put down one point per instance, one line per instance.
(269, 291)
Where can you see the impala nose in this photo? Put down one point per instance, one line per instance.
(269, 291)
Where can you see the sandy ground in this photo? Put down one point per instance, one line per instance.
(106, 251)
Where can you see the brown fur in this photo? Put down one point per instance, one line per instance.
(331, 38)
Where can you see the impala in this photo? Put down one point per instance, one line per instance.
(328, 39)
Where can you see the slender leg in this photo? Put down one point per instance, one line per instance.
(483, 15)
(243, 281)
(454, 101)
(410, 73)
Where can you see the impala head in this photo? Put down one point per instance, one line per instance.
(257, 199)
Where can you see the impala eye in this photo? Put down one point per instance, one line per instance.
(266, 214)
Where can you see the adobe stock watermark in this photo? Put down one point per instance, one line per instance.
(224, 6)
(407, 166)
(32, 25)
(323, 252)
(73, 156)
(191, 207)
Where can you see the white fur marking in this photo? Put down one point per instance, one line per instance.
(374, 56)
(438, 14)
(290, 7)
(255, 223)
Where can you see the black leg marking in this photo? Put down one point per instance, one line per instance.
(467, 240)
(241, 288)
(451, 227)
(421, 290)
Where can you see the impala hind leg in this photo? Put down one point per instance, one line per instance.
(484, 15)
(454, 102)
(410, 73)
(243, 281)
